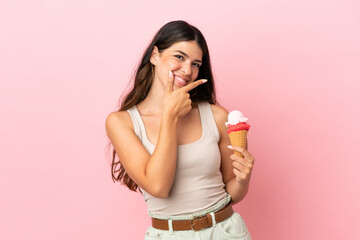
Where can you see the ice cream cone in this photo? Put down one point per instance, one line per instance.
(237, 130)
(238, 138)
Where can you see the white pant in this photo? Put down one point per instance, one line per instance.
(232, 228)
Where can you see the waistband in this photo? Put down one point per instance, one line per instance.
(219, 205)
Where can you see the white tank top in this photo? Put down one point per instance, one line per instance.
(198, 181)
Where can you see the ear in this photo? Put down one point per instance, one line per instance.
(154, 55)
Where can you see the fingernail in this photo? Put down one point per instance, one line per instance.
(170, 74)
(229, 146)
(204, 81)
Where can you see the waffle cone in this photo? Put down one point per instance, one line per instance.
(238, 138)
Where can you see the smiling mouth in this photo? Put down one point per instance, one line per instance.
(180, 81)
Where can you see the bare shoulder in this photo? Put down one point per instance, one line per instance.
(116, 120)
(220, 114)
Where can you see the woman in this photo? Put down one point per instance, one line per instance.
(171, 140)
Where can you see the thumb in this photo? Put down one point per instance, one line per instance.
(170, 82)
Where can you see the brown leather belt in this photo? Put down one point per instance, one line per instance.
(196, 224)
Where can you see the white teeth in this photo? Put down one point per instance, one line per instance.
(180, 79)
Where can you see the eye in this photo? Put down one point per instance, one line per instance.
(196, 65)
(179, 57)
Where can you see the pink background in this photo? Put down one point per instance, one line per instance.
(291, 67)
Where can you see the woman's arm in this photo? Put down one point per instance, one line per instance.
(236, 170)
(153, 173)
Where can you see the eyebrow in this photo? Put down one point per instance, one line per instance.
(188, 56)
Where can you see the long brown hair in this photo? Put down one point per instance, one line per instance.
(169, 34)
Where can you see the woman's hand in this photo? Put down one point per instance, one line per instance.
(242, 165)
(178, 102)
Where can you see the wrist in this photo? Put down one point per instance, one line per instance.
(169, 116)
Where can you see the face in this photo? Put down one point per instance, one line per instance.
(182, 58)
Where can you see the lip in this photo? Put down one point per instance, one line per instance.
(181, 80)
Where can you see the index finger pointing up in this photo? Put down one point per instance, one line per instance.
(170, 82)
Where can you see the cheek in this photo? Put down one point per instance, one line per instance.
(165, 66)
(174, 65)
(194, 74)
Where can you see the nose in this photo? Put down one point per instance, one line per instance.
(186, 68)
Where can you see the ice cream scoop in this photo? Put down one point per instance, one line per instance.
(235, 117)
